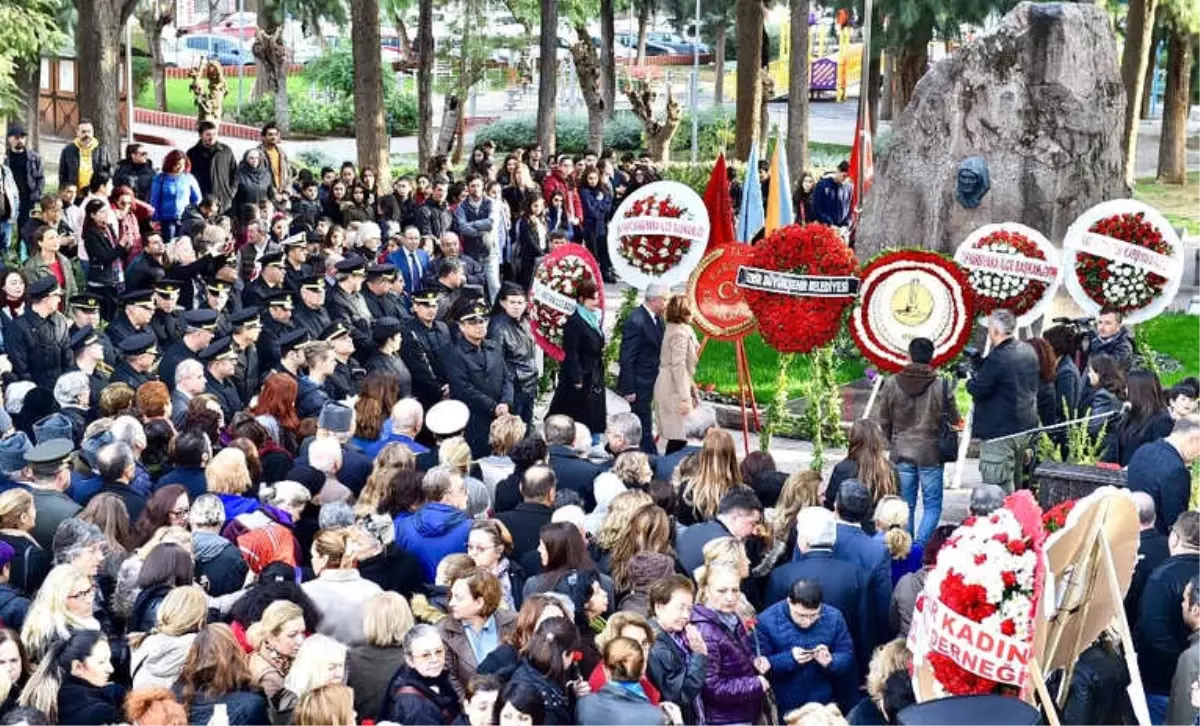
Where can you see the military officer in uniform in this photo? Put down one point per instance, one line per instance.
(276, 322)
(268, 282)
(310, 312)
(88, 353)
(425, 339)
(291, 352)
(167, 323)
(346, 303)
(389, 336)
(140, 353)
(38, 342)
(347, 375)
(199, 329)
(217, 298)
(295, 267)
(246, 329)
(220, 362)
(382, 300)
(85, 311)
(478, 376)
(137, 309)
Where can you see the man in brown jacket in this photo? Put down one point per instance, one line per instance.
(910, 412)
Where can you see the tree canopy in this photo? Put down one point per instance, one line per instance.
(26, 28)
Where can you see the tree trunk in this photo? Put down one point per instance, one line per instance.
(1139, 28)
(27, 77)
(797, 133)
(587, 70)
(874, 85)
(402, 34)
(749, 87)
(658, 133)
(719, 63)
(608, 76)
(887, 93)
(548, 77)
(370, 130)
(643, 20)
(764, 116)
(1148, 83)
(272, 58)
(1172, 148)
(152, 19)
(424, 83)
(446, 132)
(911, 61)
(98, 49)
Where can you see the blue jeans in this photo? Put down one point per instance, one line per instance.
(929, 480)
(1157, 705)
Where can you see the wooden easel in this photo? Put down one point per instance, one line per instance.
(745, 390)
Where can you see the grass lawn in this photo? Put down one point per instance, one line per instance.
(717, 366)
(1176, 335)
(1180, 204)
(180, 99)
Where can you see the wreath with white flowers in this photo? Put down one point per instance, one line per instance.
(1010, 266)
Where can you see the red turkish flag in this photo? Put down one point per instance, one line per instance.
(719, 206)
(862, 150)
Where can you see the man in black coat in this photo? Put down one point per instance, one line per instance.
(451, 249)
(1160, 634)
(277, 322)
(844, 584)
(856, 547)
(198, 334)
(137, 312)
(380, 293)
(343, 383)
(1112, 338)
(346, 303)
(524, 523)
(1163, 469)
(434, 216)
(478, 377)
(247, 373)
(85, 311)
(425, 340)
(570, 469)
(310, 312)
(1153, 550)
(220, 364)
(269, 281)
(214, 166)
(135, 171)
(738, 515)
(85, 147)
(1005, 392)
(39, 343)
(167, 322)
(641, 346)
(27, 171)
(140, 353)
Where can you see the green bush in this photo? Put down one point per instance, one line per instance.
(330, 117)
(622, 133)
(335, 73)
(142, 75)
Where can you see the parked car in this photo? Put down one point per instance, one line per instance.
(187, 50)
(629, 40)
(676, 42)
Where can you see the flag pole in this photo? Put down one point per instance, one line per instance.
(864, 111)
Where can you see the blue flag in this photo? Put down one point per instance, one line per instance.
(751, 218)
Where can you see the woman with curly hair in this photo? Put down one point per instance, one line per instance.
(277, 581)
(276, 409)
(615, 525)
(648, 533)
(801, 489)
(716, 471)
(393, 458)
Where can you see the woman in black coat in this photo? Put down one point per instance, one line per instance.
(102, 249)
(580, 393)
(73, 683)
(421, 691)
(530, 239)
(1145, 419)
(255, 181)
(1104, 397)
(543, 667)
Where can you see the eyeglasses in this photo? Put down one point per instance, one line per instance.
(82, 593)
(430, 655)
(180, 512)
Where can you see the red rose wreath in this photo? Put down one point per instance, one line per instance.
(791, 324)
(1124, 287)
(996, 290)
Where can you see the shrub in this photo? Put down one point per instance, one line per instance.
(330, 116)
(142, 75)
(622, 133)
(335, 73)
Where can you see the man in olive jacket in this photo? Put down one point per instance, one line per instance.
(910, 411)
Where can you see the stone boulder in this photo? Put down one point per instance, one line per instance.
(1040, 99)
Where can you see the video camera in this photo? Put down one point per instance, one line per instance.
(972, 358)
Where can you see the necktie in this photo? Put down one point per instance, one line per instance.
(414, 270)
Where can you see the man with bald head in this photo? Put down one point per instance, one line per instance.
(641, 346)
(1153, 549)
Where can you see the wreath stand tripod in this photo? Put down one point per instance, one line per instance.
(749, 405)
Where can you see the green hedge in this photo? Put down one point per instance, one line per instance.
(331, 117)
(622, 133)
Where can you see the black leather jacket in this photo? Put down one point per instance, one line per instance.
(516, 342)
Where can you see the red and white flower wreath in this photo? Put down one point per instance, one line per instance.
(555, 283)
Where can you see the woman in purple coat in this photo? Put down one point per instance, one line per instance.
(734, 685)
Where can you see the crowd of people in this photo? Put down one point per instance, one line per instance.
(268, 455)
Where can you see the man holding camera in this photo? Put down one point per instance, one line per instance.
(1005, 392)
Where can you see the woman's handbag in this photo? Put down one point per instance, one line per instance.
(947, 435)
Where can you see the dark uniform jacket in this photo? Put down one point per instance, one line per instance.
(255, 294)
(313, 321)
(351, 309)
(143, 271)
(388, 305)
(125, 374)
(293, 276)
(172, 356)
(121, 328)
(269, 353)
(40, 348)
(247, 375)
(423, 352)
(345, 380)
(226, 393)
(110, 350)
(478, 377)
(393, 366)
(516, 343)
(310, 398)
(167, 327)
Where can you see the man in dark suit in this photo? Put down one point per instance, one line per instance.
(1153, 550)
(696, 426)
(571, 470)
(524, 523)
(844, 586)
(738, 515)
(641, 345)
(854, 546)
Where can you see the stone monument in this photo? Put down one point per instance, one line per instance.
(1019, 125)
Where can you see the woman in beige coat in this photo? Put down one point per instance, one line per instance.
(675, 393)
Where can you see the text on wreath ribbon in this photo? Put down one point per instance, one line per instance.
(1126, 253)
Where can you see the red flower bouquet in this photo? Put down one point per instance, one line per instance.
(654, 254)
(998, 290)
(792, 324)
(1056, 518)
(555, 282)
(1124, 286)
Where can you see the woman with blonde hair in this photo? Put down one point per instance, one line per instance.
(339, 591)
(331, 705)
(726, 552)
(649, 532)
(228, 476)
(675, 392)
(215, 674)
(63, 606)
(891, 657)
(158, 655)
(370, 666)
(623, 699)
(392, 458)
(30, 563)
(734, 683)
(321, 661)
(801, 489)
(505, 432)
(276, 638)
(891, 528)
(716, 472)
(615, 525)
(636, 628)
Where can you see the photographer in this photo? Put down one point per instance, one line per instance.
(1005, 392)
(1112, 338)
